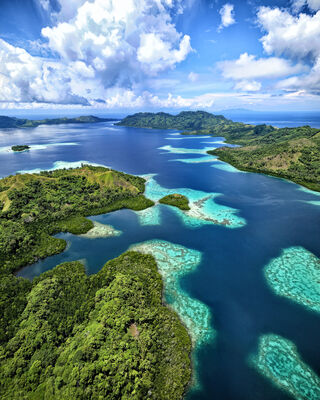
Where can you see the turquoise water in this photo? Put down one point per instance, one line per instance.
(279, 361)
(296, 275)
(203, 208)
(214, 257)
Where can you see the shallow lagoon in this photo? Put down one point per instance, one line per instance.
(229, 280)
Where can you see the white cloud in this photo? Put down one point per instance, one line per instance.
(101, 47)
(24, 78)
(296, 37)
(128, 99)
(248, 67)
(68, 9)
(248, 86)
(309, 82)
(313, 5)
(286, 34)
(193, 77)
(227, 16)
(121, 41)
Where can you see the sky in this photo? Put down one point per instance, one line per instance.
(151, 55)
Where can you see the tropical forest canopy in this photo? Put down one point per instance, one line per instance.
(66, 335)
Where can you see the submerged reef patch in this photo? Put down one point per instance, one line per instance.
(101, 231)
(175, 261)
(227, 167)
(149, 216)
(203, 209)
(278, 360)
(183, 137)
(197, 160)
(182, 150)
(312, 192)
(295, 274)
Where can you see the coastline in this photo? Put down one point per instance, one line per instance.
(266, 173)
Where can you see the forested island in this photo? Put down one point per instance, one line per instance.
(68, 335)
(20, 147)
(12, 122)
(290, 153)
(176, 200)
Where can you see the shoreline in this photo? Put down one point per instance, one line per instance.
(266, 173)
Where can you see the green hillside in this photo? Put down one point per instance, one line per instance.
(186, 120)
(104, 336)
(291, 153)
(66, 335)
(35, 206)
(12, 122)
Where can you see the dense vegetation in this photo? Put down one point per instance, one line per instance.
(12, 122)
(66, 335)
(35, 206)
(105, 336)
(186, 120)
(20, 147)
(176, 200)
(291, 153)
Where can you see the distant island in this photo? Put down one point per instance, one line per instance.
(176, 200)
(20, 147)
(290, 153)
(12, 122)
(74, 335)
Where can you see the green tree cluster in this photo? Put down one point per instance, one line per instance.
(20, 147)
(176, 200)
(104, 336)
(36, 206)
(290, 153)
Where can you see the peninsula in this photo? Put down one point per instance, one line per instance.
(12, 122)
(290, 153)
(68, 335)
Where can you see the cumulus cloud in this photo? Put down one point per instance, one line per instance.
(121, 41)
(296, 37)
(24, 78)
(309, 82)
(146, 100)
(290, 35)
(227, 16)
(99, 45)
(250, 67)
(248, 86)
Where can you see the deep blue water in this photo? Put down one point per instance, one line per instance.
(230, 279)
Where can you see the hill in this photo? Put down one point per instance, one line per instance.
(33, 207)
(186, 120)
(12, 122)
(291, 153)
(67, 335)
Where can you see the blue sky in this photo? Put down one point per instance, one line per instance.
(130, 55)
